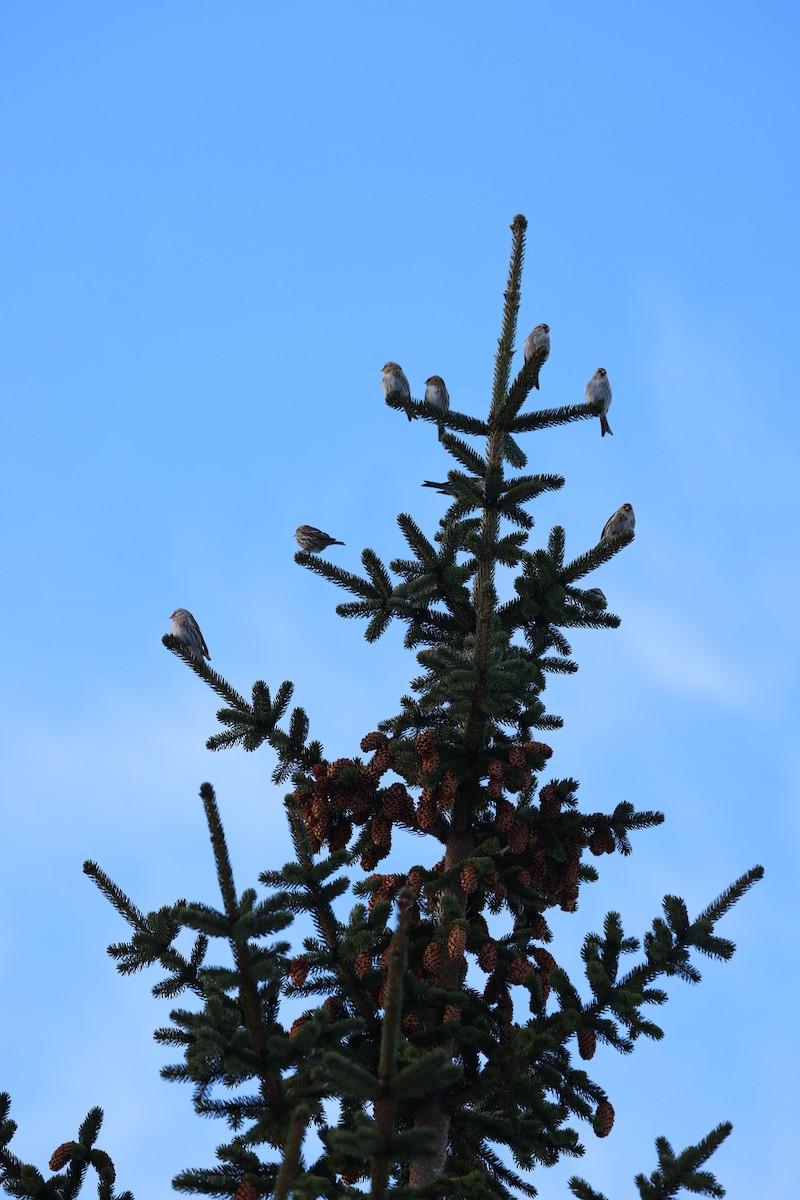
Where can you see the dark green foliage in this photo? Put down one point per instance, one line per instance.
(69, 1163)
(377, 1055)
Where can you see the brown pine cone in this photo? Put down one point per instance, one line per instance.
(432, 958)
(449, 788)
(385, 957)
(603, 1119)
(518, 836)
(382, 990)
(516, 757)
(298, 970)
(506, 1033)
(505, 1006)
(544, 959)
(340, 834)
(587, 1042)
(410, 1023)
(60, 1156)
(537, 751)
(425, 742)
(335, 768)
(298, 1024)
(397, 804)
(430, 763)
(496, 769)
(493, 990)
(541, 929)
(550, 802)
(414, 880)
(487, 957)
(505, 815)
(381, 831)
(451, 1013)
(456, 941)
(426, 811)
(362, 964)
(597, 843)
(353, 1174)
(373, 741)
(469, 879)
(479, 926)
(370, 858)
(246, 1191)
(381, 762)
(544, 977)
(524, 877)
(519, 969)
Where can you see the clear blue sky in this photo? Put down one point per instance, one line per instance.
(218, 221)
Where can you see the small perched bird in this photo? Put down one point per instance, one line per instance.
(436, 394)
(537, 345)
(598, 394)
(446, 488)
(186, 630)
(314, 540)
(394, 382)
(619, 522)
(596, 597)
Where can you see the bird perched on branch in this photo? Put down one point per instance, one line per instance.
(619, 522)
(598, 394)
(537, 345)
(313, 540)
(597, 598)
(447, 488)
(186, 630)
(394, 383)
(436, 394)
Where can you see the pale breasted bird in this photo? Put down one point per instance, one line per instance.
(313, 540)
(186, 630)
(394, 382)
(619, 522)
(598, 394)
(537, 345)
(436, 394)
(596, 598)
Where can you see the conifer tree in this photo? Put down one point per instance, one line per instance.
(427, 1038)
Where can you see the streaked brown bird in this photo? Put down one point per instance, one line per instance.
(186, 630)
(537, 345)
(313, 540)
(597, 598)
(446, 488)
(619, 522)
(598, 394)
(394, 383)
(436, 394)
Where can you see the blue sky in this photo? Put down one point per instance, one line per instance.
(217, 223)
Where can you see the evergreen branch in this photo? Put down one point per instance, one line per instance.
(291, 1154)
(546, 418)
(505, 344)
(681, 1171)
(270, 1082)
(453, 419)
(470, 459)
(723, 903)
(201, 668)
